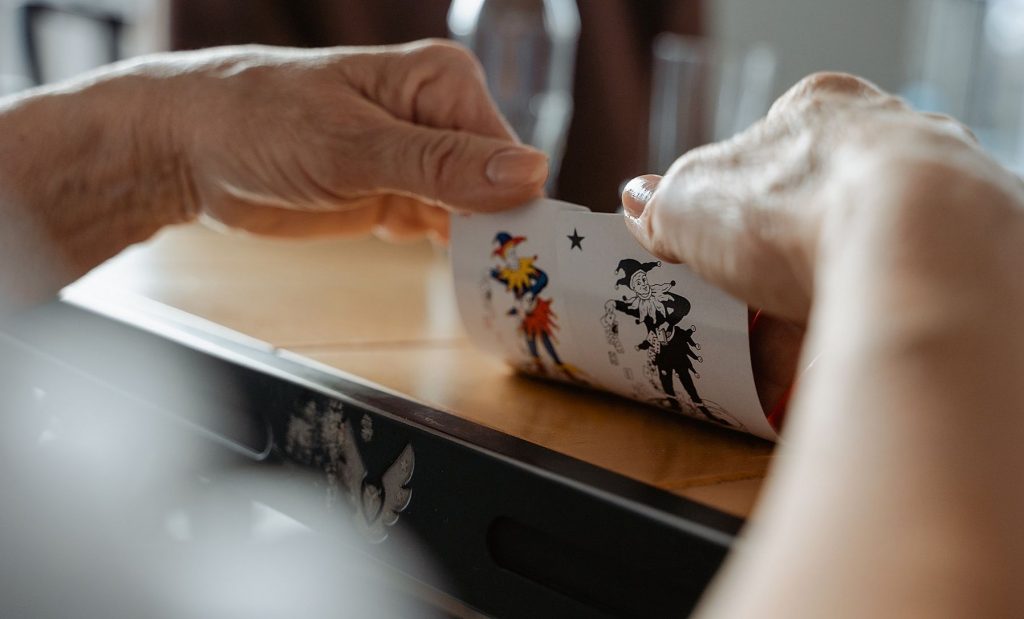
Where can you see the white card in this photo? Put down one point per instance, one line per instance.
(561, 292)
(654, 331)
(508, 289)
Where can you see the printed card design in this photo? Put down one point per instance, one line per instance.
(508, 289)
(653, 331)
(561, 292)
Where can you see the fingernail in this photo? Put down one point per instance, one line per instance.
(517, 166)
(637, 194)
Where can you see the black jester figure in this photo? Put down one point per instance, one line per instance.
(671, 349)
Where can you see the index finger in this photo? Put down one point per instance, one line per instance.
(440, 84)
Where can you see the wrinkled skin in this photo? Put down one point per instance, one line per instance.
(349, 141)
(272, 141)
(748, 213)
(887, 234)
(898, 243)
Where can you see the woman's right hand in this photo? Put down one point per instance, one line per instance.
(899, 243)
(759, 215)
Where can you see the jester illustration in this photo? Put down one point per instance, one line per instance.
(521, 277)
(671, 350)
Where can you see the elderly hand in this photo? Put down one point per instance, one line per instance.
(274, 141)
(899, 243)
(343, 141)
(757, 213)
(761, 215)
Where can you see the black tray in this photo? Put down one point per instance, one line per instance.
(515, 529)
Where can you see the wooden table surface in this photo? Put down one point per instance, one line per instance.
(387, 314)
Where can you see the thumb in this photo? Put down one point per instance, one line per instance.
(464, 171)
(715, 239)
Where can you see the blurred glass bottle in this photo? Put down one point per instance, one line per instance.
(528, 51)
(701, 94)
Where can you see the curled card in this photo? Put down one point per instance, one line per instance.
(564, 293)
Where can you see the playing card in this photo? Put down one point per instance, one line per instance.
(508, 289)
(653, 331)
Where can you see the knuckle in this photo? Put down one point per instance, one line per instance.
(434, 73)
(827, 81)
(683, 165)
(947, 121)
(446, 53)
(826, 89)
(438, 161)
(940, 118)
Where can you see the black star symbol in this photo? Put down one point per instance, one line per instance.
(576, 239)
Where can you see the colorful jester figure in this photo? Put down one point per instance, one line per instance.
(521, 277)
